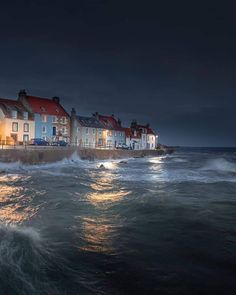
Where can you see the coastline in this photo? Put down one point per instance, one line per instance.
(39, 155)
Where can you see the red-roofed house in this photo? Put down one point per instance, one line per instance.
(146, 135)
(115, 133)
(52, 122)
(133, 138)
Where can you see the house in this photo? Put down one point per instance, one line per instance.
(52, 122)
(16, 123)
(115, 133)
(86, 132)
(133, 139)
(145, 134)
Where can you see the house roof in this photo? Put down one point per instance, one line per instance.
(130, 134)
(9, 105)
(46, 106)
(89, 122)
(110, 122)
(150, 131)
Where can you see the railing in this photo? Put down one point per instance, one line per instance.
(27, 146)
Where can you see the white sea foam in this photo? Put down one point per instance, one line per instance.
(220, 165)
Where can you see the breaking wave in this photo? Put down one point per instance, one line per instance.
(28, 265)
(19, 166)
(220, 165)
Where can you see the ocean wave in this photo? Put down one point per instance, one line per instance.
(220, 165)
(28, 265)
(74, 159)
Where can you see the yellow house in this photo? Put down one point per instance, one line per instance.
(16, 123)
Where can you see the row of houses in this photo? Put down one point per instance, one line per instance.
(29, 117)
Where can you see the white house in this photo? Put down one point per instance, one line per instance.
(17, 125)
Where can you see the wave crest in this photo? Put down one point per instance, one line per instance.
(221, 165)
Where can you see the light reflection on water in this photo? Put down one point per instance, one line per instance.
(14, 204)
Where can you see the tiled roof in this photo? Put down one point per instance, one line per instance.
(129, 133)
(150, 131)
(45, 106)
(109, 122)
(89, 122)
(8, 105)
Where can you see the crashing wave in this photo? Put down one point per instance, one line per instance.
(220, 165)
(27, 265)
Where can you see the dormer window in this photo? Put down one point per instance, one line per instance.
(14, 114)
(43, 109)
(57, 110)
(26, 115)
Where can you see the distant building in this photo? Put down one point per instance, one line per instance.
(87, 132)
(115, 133)
(133, 138)
(52, 122)
(141, 137)
(16, 123)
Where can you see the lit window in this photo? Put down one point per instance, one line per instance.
(25, 115)
(44, 129)
(26, 127)
(14, 127)
(44, 118)
(14, 114)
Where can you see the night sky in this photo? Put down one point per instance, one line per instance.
(168, 63)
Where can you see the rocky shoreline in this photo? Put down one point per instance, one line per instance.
(39, 155)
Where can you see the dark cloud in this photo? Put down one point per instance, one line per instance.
(169, 63)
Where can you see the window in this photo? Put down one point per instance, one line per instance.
(63, 120)
(78, 130)
(14, 114)
(86, 140)
(26, 127)
(87, 130)
(44, 118)
(26, 115)
(14, 127)
(63, 130)
(54, 119)
(115, 133)
(93, 131)
(44, 130)
(148, 137)
(54, 131)
(26, 138)
(109, 133)
(120, 133)
(100, 131)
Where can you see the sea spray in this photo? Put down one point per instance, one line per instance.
(28, 265)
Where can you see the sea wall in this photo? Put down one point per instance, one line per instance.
(36, 155)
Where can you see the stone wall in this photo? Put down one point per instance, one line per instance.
(38, 155)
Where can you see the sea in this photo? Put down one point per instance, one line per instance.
(154, 225)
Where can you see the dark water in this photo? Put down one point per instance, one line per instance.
(149, 226)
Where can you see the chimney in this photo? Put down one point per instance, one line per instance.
(22, 94)
(73, 112)
(96, 115)
(56, 99)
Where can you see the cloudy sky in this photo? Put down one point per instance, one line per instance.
(169, 63)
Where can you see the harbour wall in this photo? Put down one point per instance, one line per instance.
(37, 155)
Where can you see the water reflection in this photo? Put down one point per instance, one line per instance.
(14, 206)
(97, 235)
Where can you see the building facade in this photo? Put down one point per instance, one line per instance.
(52, 122)
(17, 125)
(86, 132)
(141, 137)
(114, 132)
